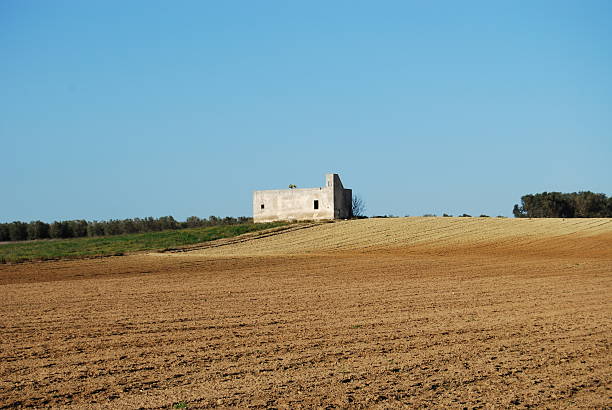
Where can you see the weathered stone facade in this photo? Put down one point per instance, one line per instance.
(331, 201)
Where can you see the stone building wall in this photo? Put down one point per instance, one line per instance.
(331, 201)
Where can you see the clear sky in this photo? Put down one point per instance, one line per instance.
(118, 109)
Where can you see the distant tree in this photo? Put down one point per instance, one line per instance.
(38, 230)
(4, 233)
(583, 204)
(95, 228)
(78, 228)
(113, 227)
(150, 224)
(588, 204)
(229, 220)
(518, 212)
(167, 222)
(131, 226)
(358, 207)
(60, 229)
(18, 231)
(193, 222)
(292, 186)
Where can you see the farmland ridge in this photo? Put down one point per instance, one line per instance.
(434, 235)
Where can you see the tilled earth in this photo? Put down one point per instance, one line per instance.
(459, 325)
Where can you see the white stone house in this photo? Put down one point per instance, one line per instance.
(331, 201)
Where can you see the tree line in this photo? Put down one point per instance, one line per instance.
(583, 204)
(21, 231)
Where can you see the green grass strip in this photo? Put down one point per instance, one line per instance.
(121, 244)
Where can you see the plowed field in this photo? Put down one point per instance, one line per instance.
(436, 312)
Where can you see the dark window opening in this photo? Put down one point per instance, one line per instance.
(262, 207)
(316, 204)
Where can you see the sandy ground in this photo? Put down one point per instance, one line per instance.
(419, 312)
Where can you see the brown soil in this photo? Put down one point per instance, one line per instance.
(374, 313)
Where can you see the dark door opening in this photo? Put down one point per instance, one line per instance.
(316, 204)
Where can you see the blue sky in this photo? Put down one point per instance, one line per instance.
(121, 109)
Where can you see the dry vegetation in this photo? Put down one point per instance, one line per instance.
(438, 312)
(557, 237)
